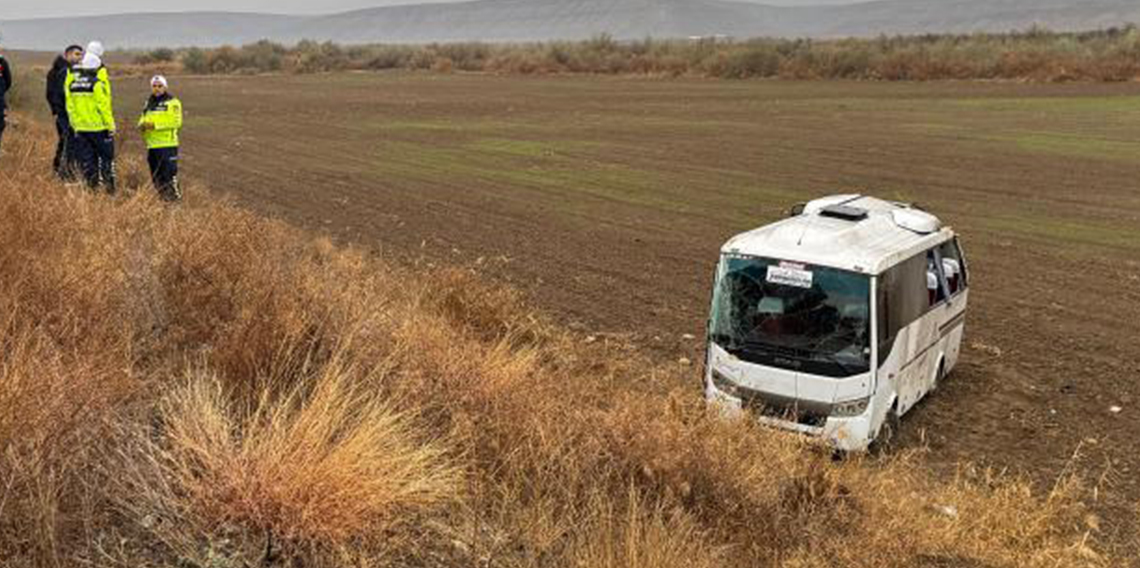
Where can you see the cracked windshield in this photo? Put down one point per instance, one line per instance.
(788, 315)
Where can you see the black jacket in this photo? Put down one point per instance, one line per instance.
(5, 80)
(56, 78)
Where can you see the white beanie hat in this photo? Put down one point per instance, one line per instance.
(159, 80)
(93, 56)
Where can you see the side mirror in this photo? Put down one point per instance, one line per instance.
(797, 210)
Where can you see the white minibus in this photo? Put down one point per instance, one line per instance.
(836, 321)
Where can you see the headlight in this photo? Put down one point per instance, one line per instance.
(724, 385)
(850, 408)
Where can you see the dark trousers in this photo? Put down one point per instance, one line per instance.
(164, 172)
(3, 123)
(96, 154)
(64, 163)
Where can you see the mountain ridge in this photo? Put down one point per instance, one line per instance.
(537, 20)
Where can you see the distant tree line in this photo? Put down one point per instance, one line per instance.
(1036, 54)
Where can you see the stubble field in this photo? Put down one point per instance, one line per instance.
(606, 200)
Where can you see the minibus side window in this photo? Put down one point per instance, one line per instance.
(953, 267)
(903, 298)
(934, 290)
(883, 315)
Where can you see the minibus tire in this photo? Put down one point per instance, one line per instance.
(888, 433)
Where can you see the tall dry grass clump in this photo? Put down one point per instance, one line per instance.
(326, 472)
(199, 386)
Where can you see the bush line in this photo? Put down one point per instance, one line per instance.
(1035, 55)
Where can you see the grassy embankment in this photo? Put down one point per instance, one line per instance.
(201, 386)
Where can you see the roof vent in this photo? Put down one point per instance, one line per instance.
(917, 221)
(817, 205)
(845, 212)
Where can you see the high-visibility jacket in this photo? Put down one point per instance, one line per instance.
(165, 113)
(88, 93)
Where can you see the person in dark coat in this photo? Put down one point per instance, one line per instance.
(65, 164)
(5, 84)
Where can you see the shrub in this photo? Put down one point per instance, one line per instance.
(464, 56)
(264, 56)
(224, 60)
(387, 57)
(160, 55)
(312, 57)
(195, 60)
(755, 61)
(443, 65)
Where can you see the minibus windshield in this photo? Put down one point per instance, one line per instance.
(793, 316)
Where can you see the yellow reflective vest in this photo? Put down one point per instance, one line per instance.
(165, 113)
(88, 96)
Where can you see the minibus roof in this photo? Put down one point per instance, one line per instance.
(849, 232)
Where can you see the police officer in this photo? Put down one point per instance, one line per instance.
(5, 84)
(64, 162)
(88, 94)
(160, 122)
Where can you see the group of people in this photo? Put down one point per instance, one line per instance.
(79, 95)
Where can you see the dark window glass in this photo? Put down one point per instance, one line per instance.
(953, 267)
(903, 298)
(934, 290)
(883, 316)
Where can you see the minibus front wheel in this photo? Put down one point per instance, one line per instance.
(888, 432)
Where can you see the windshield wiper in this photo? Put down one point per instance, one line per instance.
(738, 347)
(834, 359)
(780, 350)
(805, 354)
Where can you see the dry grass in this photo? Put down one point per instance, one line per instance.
(331, 474)
(637, 537)
(199, 386)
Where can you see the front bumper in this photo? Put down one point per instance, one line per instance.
(848, 434)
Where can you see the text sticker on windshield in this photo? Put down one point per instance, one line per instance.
(789, 274)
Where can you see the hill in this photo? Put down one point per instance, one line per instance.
(941, 16)
(145, 30)
(529, 20)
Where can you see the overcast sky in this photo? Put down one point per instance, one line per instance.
(19, 9)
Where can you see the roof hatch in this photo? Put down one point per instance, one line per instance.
(845, 212)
